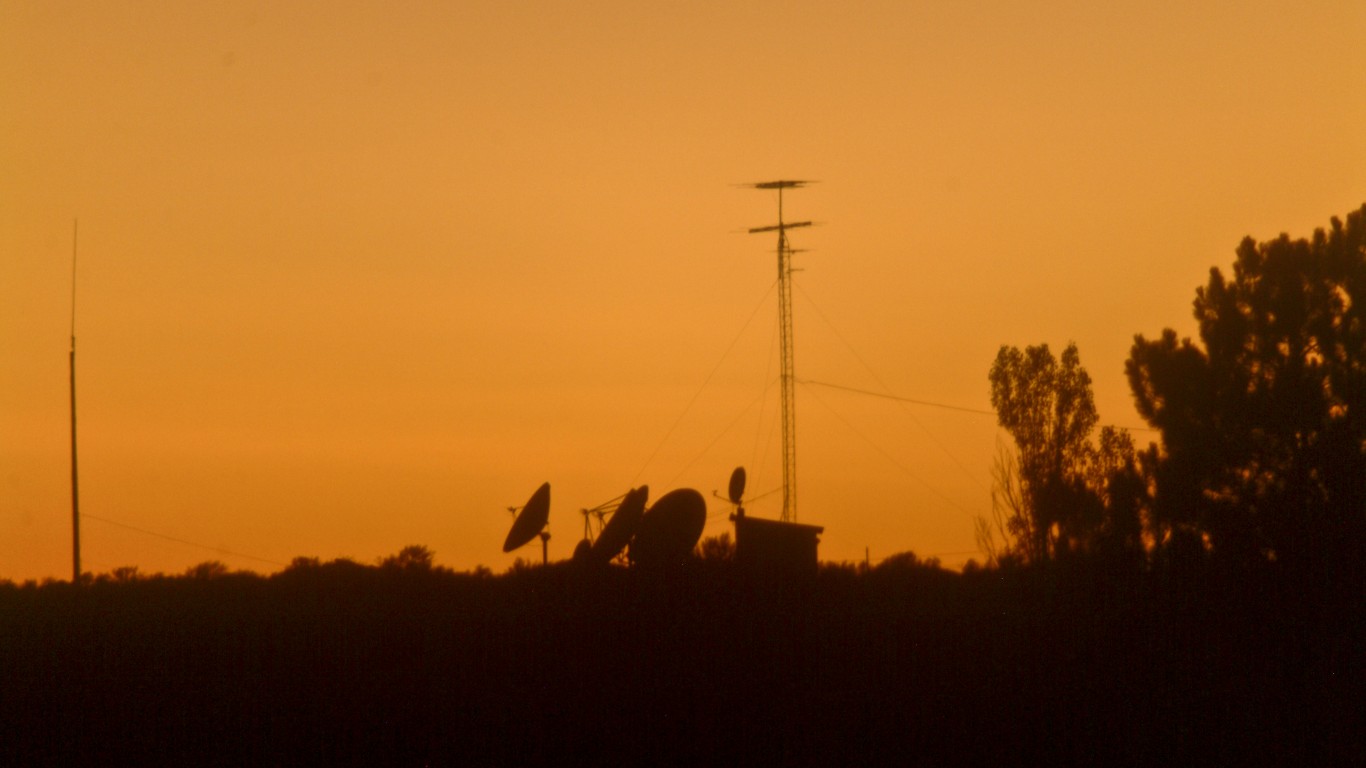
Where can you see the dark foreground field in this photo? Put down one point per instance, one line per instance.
(346, 664)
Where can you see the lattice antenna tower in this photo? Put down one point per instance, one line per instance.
(787, 379)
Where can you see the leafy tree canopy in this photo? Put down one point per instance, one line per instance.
(1263, 421)
(1059, 491)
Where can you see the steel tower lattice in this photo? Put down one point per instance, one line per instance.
(787, 377)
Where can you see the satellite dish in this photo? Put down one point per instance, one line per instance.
(619, 530)
(533, 517)
(737, 485)
(670, 529)
(583, 550)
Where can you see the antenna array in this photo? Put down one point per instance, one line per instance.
(788, 379)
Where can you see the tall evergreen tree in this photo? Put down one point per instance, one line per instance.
(1263, 421)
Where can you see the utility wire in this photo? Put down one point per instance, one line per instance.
(887, 396)
(937, 442)
(889, 457)
(759, 460)
(705, 382)
(723, 433)
(186, 542)
(932, 404)
(887, 393)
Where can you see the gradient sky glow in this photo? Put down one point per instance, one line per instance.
(354, 277)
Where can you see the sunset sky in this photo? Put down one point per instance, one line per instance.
(354, 276)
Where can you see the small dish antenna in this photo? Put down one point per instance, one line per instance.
(735, 493)
(737, 485)
(670, 529)
(531, 522)
(582, 551)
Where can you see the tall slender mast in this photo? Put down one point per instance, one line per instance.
(785, 338)
(75, 490)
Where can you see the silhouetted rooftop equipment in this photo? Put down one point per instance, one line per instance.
(771, 548)
(670, 529)
(622, 526)
(583, 550)
(736, 490)
(599, 513)
(531, 522)
(775, 547)
(787, 377)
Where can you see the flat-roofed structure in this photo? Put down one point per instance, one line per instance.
(777, 548)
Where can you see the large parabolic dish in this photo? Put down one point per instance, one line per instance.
(622, 526)
(531, 520)
(670, 529)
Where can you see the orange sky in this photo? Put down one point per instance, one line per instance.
(354, 277)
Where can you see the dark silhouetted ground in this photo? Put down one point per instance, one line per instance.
(345, 664)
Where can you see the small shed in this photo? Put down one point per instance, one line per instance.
(774, 547)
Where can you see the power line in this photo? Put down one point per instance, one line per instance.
(893, 460)
(186, 542)
(946, 406)
(886, 396)
(705, 382)
(723, 433)
(937, 443)
(759, 460)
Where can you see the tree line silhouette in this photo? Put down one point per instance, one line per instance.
(1262, 454)
(408, 663)
(1198, 600)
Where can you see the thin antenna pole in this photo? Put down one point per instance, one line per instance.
(75, 225)
(75, 487)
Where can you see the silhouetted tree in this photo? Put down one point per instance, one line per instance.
(1264, 422)
(414, 557)
(344, 662)
(717, 548)
(997, 535)
(908, 560)
(1059, 491)
(209, 569)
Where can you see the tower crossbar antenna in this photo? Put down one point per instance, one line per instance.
(787, 377)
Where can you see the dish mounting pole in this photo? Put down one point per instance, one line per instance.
(787, 378)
